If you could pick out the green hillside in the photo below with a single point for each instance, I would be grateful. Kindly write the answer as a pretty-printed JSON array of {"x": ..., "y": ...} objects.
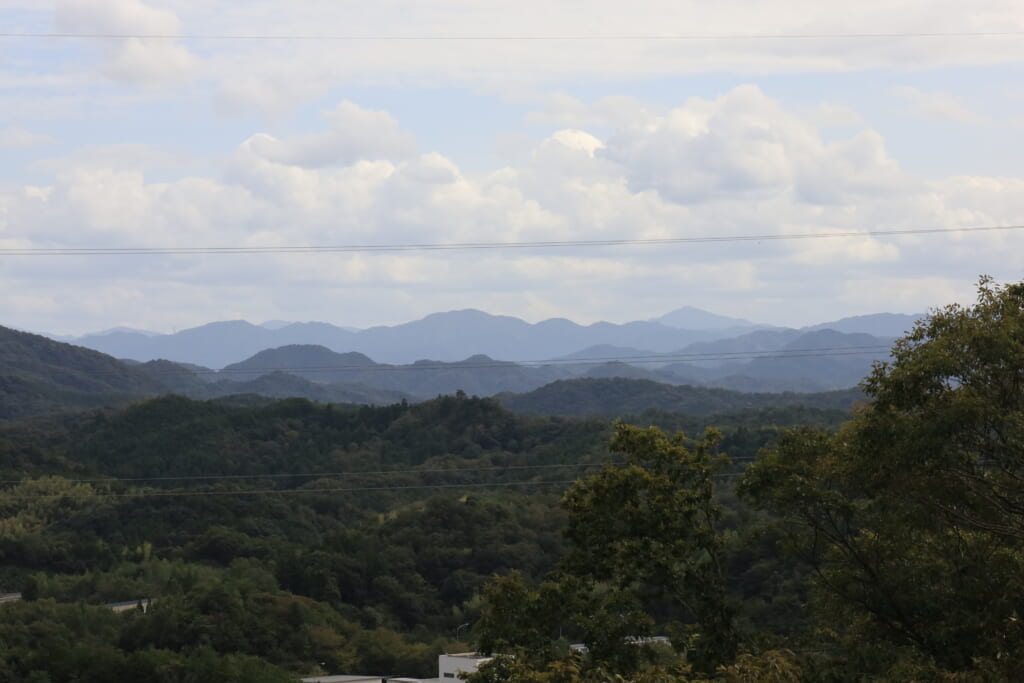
[
  {"x": 40, "y": 375},
  {"x": 620, "y": 397}
]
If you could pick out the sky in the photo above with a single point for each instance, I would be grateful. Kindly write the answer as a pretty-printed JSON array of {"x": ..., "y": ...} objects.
[{"x": 266, "y": 123}]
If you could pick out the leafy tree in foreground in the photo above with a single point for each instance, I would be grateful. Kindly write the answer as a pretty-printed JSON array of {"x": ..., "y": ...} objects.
[
  {"x": 913, "y": 514},
  {"x": 647, "y": 528},
  {"x": 642, "y": 550}
]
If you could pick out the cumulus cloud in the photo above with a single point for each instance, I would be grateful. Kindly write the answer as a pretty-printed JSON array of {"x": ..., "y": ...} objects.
[
  {"x": 740, "y": 164},
  {"x": 274, "y": 76},
  {"x": 353, "y": 133},
  {"x": 744, "y": 144},
  {"x": 135, "y": 60},
  {"x": 295, "y": 71}
]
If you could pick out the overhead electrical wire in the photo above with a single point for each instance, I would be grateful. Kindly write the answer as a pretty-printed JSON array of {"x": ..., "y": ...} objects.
[
  {"x": 454, "y": 246},
  {"x": 666, "y": 358},
  {"x": 521, "y": 37},
  {"x": 315, "y": 475},
  {"x": 252, "y": 492},
  {"x": 174, "y": 493},
  {"x": 404, "y": 471},
  {"x": 304, "y": 249}
]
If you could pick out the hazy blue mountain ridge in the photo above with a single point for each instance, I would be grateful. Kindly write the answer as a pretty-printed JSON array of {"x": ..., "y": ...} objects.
[
  {"x": 762, "y": 361},
  {"x": 783, "y": 360},
  {"x": 876, "y": 324},
  {"x": 442, "y": 336},
  {"x": 690, "y": 318},
  {"x": 456, "y": 335},
  {"x": 38, "y": 374},
  {"x": 478, "y": 374}
]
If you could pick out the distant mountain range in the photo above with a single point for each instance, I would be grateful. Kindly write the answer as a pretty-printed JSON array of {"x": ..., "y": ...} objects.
[
  {"x": 456, "y": 335},
  {"x": 38, "y": 374},
  {"x": 762, "y": 361},
  {"x": 690, "y": 318}
]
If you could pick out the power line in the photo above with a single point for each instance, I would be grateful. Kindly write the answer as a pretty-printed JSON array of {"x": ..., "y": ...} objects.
[
  {"x": 666, "y": 359},
  {"x": 824, "y": 352},
  {"x": 456, "y": 246},
  {"x": 314, "y": 475},
  {"x": 356, "y": 489},
  {"x": 490, "y": 37},
  {"x": 254, "y": 492},
  {"x": 339, "y": 475}
]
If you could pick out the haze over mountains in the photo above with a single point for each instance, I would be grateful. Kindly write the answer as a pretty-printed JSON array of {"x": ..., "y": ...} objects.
[
  {"x": 39, "y": 375},
  {"x": 454, "y": 336},
  {"x": 555, "y": 364}
]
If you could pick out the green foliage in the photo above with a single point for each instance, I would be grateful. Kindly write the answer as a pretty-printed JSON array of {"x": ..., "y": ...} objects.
[
  {"x": 647, "y": 527},
  {"x": 619, "y": 397},
  {"x": 642, "y": 548},
  {"x": 39, "y": 375},
  {"x": 265, "y": 573},
  {"x": 913, "y": 514}
]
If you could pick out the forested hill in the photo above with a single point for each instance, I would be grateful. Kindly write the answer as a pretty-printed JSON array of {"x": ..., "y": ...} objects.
[
  {"x": 173, "y": 436},
  {"x": 39, "y": 375},
  {"x": 619, "y": 397},
  {"x": 287, "y": 535},
  {"x": 309, "y": 536}
]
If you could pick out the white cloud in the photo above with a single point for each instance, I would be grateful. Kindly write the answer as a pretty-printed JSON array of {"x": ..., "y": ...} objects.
[
  {"x": 115, "y": 16},
  {"x": 15, "y": 137},
  {"x": 744, "y": 144},
  {"x": 135, "y": 60},
  {"x": 353, "y": 133},
  {"x": 937, "y": 105},
  {"x": 273, "y": 76},
  {"x": 741, "y": 164}
]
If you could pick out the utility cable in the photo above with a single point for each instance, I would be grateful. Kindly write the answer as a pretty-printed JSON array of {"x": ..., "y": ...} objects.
[
  {"x": 356, "y": 489},
  {"x": 339, "y": 475},
  {"x": 535, "y": 364},
  {"x": 456, "y": 246},
  {"x": 314, "y": 475},
  {"x": 494, "y": 37},
  {"x": 254, "y": 492}
]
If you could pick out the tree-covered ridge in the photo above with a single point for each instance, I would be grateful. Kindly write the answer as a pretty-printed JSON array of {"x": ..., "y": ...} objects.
[
  {"x": 175, "y": 436},
  {"x": 40, "y": 375},
  {"x": 902, "y": 533},
  {"x": 885, "y": 548},
  {"x": 620, "y": 397},
  {"x": 374, "y": 528}
]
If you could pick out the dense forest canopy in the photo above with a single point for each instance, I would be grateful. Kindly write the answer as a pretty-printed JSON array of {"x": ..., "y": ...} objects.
[
  {"x": 904, "y": 527},
  {"x": 374, "y": 529},
  {"x": 270, "y": 539}
]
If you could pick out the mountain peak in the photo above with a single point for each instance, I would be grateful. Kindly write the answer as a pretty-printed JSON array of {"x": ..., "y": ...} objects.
[
  {"x": 691, "y": 318},
  {"x": 877, "y": 324}
]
